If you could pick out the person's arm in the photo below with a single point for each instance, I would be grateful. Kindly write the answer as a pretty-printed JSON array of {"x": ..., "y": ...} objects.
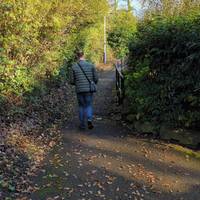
[
  {"x": 71, "y": 76},
  {"x": 95, "y": 75}
]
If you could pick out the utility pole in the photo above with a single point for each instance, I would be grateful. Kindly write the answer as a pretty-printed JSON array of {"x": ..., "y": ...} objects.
[
  {"x": 115, "y": 5},
  {"x": 129, "y": 5},
  {"x": 105, "y": 42}
]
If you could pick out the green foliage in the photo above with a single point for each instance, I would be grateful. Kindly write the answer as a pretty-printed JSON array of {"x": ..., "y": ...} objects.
[
  {"x": 121, "y": 31},
  {"x": 169, "y": 7},
  {"x": 37, "y": 35},
  {"x": 90, "y": 40},
  {"x": 163, "y": 82}
]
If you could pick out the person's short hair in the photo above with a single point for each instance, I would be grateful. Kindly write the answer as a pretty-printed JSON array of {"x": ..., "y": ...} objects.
[{"x": 80, "y": 54}]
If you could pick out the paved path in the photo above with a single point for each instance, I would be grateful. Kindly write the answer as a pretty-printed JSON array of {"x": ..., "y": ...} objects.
[{"x": 110, "y": 163}]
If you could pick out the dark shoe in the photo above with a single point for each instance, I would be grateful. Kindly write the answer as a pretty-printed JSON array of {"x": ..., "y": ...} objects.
[
  {"x": 90, "y": 125},
  {"x": 81, "y": 127}
]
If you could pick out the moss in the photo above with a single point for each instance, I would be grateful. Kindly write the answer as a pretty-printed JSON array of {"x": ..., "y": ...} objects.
[
  {"x": 46, "y": 191},
  {"x": 53, "y": 189},
  {"x": 186, "y": 151}
]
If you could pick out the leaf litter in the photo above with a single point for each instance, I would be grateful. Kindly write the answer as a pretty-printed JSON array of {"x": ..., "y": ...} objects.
[{"x": 25, "y": 140}]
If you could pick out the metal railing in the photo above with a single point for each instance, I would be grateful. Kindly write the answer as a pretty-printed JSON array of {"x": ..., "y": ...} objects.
[{"x": 119, "y": 82}]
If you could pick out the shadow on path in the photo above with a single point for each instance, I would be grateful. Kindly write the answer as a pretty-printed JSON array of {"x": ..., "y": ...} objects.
[{"x": 108, "y": 163}]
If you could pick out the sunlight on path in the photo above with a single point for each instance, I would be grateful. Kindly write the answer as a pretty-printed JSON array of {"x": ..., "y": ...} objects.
[
  {"x": 138, "y": 160},
  {"x": 109, "y": 163}
]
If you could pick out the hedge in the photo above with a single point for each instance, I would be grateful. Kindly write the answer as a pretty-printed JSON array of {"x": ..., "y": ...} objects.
[{"x": 163, "y": 83}]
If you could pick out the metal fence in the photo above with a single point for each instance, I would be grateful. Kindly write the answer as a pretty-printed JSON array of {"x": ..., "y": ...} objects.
[{"x": 119, "y": 82}]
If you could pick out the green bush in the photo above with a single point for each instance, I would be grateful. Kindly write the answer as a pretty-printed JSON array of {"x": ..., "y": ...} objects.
[
  {"x": 35, "y": 38},
  {"x": 163, "y": 82},
  {"x": 122, "y": 28},
  {"x": 91, "y": 40}
]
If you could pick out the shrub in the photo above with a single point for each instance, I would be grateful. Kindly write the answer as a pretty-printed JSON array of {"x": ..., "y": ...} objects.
[
  {"x": 163, "y": 82},
  {"x": 35, "y": 38},
  {"x": 122, "y": 28}
]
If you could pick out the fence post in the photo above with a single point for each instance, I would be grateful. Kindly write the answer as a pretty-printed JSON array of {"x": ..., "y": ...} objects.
[{"x": 120, "y": 88}]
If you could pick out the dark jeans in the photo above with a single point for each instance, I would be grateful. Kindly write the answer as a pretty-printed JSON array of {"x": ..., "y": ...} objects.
[{"x": 85, "y": 101}]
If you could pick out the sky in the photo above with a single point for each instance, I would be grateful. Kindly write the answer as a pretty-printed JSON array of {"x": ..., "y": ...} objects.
[{"x": 136, "y": 5}]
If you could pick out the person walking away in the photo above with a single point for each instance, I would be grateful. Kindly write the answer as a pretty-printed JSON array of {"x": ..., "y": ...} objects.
[{"x": 84, "y": 76}]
